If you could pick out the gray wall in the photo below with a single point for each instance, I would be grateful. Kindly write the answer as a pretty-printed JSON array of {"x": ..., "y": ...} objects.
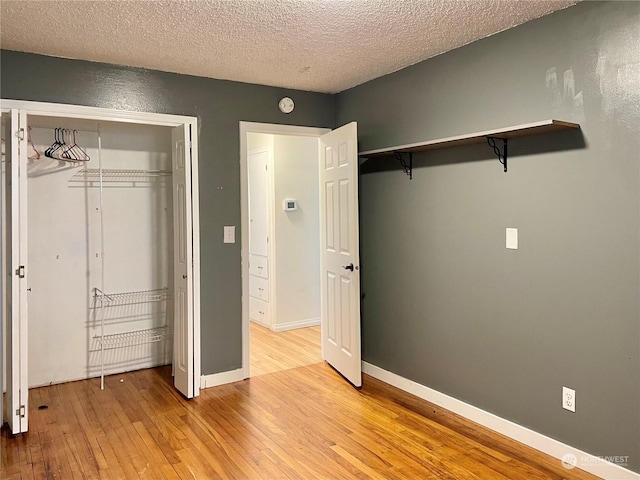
[
  {"x": 444, "y": 302},
  {"x": 219, "y": 106}
]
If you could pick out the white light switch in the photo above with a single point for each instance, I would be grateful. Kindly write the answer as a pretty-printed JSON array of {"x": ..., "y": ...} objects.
[
  {"x": 512, "y": 238},
  {"x": 230, "y": 234}
]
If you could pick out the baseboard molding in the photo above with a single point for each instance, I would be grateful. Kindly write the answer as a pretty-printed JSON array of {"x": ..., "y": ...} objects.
[
  {"x": 564, "y": 453},
  {"x": 258, "y": 322},
  {"x": 309, "y": 322},
  {"x": 221, "y": 378}
]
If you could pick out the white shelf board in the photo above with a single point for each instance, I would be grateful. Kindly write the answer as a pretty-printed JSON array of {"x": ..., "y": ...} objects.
[{"x": 526, "y": 129}]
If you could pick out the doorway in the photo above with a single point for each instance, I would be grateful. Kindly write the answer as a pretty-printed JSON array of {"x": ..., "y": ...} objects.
[{"x": 280, "y": 242}]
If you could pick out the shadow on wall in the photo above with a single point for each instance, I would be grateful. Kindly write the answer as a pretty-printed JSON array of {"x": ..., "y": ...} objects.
[{"x": 518, "y": 147}]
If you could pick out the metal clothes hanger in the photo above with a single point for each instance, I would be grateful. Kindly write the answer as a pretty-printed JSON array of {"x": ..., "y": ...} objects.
[
  {"x": 56, "y": 145},
  {"x": 36, "y": 155},
  {"x": 75, "y": 152}
]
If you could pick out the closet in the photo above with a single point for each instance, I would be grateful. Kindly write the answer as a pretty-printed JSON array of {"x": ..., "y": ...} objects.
[
  {"x": 101, "y": 210},
  {"x": 100, "y": 247}
]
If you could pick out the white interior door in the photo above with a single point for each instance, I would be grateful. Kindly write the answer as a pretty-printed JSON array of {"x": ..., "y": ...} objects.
[
  {"x": 339, "y": 256},
  {"x": 15, "y": 254},
  {"x": 183, "y": 333}
]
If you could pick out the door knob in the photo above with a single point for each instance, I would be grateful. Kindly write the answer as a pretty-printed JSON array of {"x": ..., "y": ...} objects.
[{"x": 349, "y": 267}]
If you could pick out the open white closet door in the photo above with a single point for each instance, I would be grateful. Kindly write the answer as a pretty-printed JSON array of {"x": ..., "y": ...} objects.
[
  {"x": 340, "y": 256},
  {"x": 15, "y": 271},
  {"x": 183, "y": 333}
]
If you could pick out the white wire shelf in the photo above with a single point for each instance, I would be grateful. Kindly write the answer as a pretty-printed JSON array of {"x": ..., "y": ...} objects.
[
  {"x": 133, "y": 338},
  {"x": 118, "y": 175},
  {"x": 130, "y": 298}
]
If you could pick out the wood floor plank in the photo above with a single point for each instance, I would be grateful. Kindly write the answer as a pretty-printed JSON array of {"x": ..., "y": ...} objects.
[
  {"x": 255, "y": 430},
  {"x": 184, "y": 471},
  {"x": 354, "y": 465},
  {"x": 277, "y": 351},
  {"x": 112, "y": 464},
  {"x": 11, "y": 473},
  {"x": 119, "y": 444}
]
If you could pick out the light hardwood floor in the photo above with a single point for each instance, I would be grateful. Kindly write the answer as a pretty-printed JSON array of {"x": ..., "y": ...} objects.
[
  {"x": 274, "y": 352},
  {"x": 302, "y": 423}
]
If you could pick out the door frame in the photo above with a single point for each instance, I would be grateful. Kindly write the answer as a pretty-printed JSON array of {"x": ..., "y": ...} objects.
[
  {"x": 271, "y": 129},
  {"x": 145, "y": 118}
]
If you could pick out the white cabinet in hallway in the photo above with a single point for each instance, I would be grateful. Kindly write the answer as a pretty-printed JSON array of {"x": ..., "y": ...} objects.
[{"x": 259, "y": 201}]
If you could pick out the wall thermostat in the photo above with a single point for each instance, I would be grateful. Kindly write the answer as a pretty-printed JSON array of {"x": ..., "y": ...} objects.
[{"x": 290, "y": 205}]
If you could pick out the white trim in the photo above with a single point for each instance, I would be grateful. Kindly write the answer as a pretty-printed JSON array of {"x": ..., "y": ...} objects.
[
  {"x": 195, "y": 270},
  {"x": 538, "y": 441},
  {"x": 258, "y": 322},
  {"x": 277, "y": 129},
  {"x": 309, "y": 322},
  {"x": 244, "y": 249},
  {"x": 3, "y": 299},
  {"x": 222, "y": 378},
  {"x": 273, "y": 129},
  {"x": 97, "y": 113},
  {"x": 271, "y": 217}
]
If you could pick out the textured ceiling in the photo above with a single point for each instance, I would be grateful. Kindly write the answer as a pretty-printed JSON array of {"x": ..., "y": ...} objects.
[{"x": 317, "y": 45}]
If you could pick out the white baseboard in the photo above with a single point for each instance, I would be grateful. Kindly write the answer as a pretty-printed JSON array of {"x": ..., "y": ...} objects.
[
  {"x": 565, "y": 453},
  {"x": 309, "y": 322},
  {"x": 221, "y": 378},
  {"x": 260, "y": 323}
]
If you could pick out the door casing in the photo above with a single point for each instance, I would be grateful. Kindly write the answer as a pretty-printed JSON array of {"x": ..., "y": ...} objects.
[{"x": 272, "y": 129}]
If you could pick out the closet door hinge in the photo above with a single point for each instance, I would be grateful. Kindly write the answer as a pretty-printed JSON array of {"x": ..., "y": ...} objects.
[
  {"x": 20, "y": 271},
  {"x": 21, "y": 412},
  {"x": 20, "y": 133}
]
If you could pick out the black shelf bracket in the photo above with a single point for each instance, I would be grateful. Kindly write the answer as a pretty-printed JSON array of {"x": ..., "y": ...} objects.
[
  {"x": 406, "y": 168},
  {"x": 502, "y": 156}
]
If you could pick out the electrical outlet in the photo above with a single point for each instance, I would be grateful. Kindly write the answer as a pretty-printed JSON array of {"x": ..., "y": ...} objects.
[{"x": 569, "y": 399}]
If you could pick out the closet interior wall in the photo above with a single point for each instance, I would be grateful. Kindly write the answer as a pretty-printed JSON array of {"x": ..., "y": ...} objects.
[{"x": 68, "y": 234}]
